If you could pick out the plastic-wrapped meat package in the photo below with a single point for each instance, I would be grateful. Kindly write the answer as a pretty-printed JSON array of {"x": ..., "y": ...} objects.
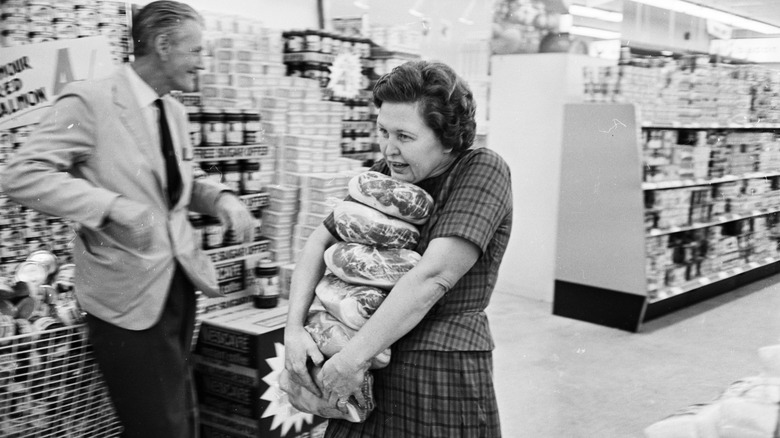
[
  {"x": 349, "y": 303},
  {"x": 396, "y": 198},
  {"x": 360, "y": 223},
  {"x": 331, "y": 335},
  {"x": 311, "y": 403},
  {"x": 362, "y": 264}
]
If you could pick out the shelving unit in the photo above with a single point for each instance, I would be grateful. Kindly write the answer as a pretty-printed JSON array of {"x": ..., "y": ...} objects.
[{"x": 602, "y": 260}]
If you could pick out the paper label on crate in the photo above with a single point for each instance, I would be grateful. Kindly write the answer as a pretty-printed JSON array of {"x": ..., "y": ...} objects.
[
  {"x": 230, "y": 277},
  {"x": 237, "y": 252}
]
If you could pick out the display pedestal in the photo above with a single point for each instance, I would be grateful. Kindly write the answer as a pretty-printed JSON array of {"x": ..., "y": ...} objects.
[{"x": 527, "y": 97}]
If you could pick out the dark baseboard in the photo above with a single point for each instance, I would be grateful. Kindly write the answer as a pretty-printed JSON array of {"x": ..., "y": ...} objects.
[{"x": 606, "y": 307}]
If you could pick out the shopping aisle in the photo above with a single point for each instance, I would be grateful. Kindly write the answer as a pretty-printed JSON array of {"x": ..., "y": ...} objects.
[{"x": 562, "y": 378}]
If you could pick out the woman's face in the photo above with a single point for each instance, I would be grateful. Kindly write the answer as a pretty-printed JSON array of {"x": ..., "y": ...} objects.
[{"x": 410, "y": 147}]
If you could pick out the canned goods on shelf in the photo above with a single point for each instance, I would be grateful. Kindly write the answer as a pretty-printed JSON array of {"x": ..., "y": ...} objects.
[
  {"x": 213, "y": 123},
  {"x": 251, "y": 179},
  {"x": 234, "y": 127},
  {"x": 231, "y": 176},
  {"x": 195, "y": 125},
  {"x": 213, "y": 233},
  {"x": 252, "y": 126}
]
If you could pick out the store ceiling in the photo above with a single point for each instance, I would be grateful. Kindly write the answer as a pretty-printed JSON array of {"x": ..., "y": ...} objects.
[{"x": 763, "y": 10}]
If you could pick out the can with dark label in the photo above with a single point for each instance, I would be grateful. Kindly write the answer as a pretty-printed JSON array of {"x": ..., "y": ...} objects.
[
  {"x": 63, "y": 280},
  {"x": 67, "y": 309}
]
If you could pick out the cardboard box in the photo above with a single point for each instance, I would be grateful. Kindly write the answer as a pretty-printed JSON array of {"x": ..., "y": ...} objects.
[
  {"x": 242, "y": 335},
  {"x": 239, "y": 356}
]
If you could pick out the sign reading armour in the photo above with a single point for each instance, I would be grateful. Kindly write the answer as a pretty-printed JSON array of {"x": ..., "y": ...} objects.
[{"x": 32, "y": 75}]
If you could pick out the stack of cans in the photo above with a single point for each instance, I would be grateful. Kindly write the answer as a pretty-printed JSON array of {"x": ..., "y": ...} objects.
[{"x": 37, "y": 21}]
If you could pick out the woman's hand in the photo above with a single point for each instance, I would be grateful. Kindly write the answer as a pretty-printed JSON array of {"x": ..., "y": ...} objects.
[
  {"x": 299, "y": 348},
  {"x": 341, "y": 378}
]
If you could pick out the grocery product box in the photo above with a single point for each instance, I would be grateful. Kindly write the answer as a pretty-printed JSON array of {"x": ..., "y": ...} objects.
[
  {"x": 243, "y": 335},
  {"x": 239, "y": 356},
  {"x": 216, "y": 425}
]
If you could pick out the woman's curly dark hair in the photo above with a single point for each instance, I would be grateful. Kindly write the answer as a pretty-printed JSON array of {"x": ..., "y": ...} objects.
[{"x": 446, "y": 103}]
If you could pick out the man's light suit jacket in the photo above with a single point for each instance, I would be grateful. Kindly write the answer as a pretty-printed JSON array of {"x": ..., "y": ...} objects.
[{"x": 91, "y": 148}]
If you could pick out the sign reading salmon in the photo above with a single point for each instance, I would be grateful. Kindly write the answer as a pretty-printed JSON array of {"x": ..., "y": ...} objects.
[{"x": 31, "y": 76}]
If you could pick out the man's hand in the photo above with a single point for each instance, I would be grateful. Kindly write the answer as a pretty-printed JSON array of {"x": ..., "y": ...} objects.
[{"x": 234, "y": 215}]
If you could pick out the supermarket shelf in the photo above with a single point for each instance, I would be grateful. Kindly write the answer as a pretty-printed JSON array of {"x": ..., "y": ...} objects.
[
  {"x": 730, "y": 126},
  {"x": 225, "y": 153},
  {"x": 693, "y": 182},
  {"x": 723, "y": 283},
  {"x": 721, "y": 219},
  {"x": 669, "y": 292}
]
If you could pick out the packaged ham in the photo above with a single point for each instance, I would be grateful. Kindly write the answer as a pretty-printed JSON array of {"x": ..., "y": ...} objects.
[
  {"x": 360, "y": 223},
  {"x": 350, "y": 303},
  {"x": 395, "y": 198},
  {"x": 365, "y": 265},
  {"x": 331, "y": 335}
]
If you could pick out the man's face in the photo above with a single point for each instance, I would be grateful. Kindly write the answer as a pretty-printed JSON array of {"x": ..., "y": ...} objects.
[{"x": 185, "y": 57}]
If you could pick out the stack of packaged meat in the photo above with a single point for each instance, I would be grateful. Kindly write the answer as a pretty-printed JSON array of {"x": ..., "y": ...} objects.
[{"x": 379, "y": 229}]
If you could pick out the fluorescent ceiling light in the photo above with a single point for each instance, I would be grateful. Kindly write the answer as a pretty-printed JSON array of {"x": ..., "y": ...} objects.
[
  {"x": 713, "y": 14},
  {"x": 416, "y": 10},
  {"x": 594, "y": 33},
  {"x": 598, "y": 14}
]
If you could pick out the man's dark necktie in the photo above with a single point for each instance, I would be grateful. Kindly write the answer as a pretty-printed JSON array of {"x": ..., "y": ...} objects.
[{"x": 171, "y": 166}]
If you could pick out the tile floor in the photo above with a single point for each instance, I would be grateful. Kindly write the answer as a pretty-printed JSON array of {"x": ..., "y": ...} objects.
[{"x": 560, "y": 378}]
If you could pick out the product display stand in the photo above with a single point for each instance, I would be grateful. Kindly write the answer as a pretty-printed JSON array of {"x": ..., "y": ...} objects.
[
  {"x": 527, "y": 95},
  {"x": 601, "y": 270}
]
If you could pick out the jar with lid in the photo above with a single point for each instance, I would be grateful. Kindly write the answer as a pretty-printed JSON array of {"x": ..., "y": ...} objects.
[
  {"x": 312, "y": 41},
  {"x": 267, "y": 284},
  {"x": 213, "y": 233},
  {"x": 234, "y": 127},
  {"x": 231, "y": 176},
  {"x": 195, "y": 125},
  {"x": 293, "y": 41},
  {"x": 213, "y": 123},
  {"x": 252, "y": 126},
  {"x": 251, "y": 181},
  {"x": 326, "y": 42}
]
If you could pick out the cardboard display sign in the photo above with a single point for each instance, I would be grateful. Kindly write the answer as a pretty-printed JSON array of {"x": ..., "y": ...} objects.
[{"x": 31, "y": 76}]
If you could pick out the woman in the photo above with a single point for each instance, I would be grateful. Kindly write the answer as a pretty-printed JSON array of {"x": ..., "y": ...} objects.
[{"x": 439, "y": 381}]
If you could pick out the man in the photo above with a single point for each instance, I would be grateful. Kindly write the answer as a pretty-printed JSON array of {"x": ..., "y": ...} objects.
[{"x": 99, "y": 158}]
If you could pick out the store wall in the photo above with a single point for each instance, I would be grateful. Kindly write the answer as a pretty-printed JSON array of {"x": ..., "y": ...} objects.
[{"x": 287, "y": 14}]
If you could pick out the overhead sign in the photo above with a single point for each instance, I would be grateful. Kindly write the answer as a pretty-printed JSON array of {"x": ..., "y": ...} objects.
[{"x": 32, "y": 75}]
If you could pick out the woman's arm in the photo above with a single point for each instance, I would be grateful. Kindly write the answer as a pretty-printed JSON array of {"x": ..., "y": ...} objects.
[
  {"x": 299, "y": 346},
  {"x": 445, "y": 261}
]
